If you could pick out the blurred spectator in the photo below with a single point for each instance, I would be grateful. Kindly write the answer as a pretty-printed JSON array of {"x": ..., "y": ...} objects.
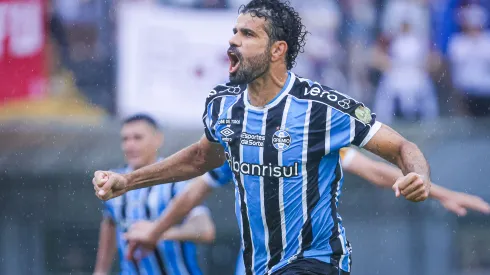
[
  {"x": 360, "y": 19},
  {"x": 359, "y": 27},
  {"x": 57, "y": 32},
  {"x": 194, "y": 3},
  {"x": 235, "y": 4},
  {"x": 414, "y": 12},
  {"x": 324, "y": 56},
  {"x": 406, "y": 90},
  {"x": 443, "y": 22},
  {"x": 469, "y": 54},
  {"x": 88, "y": 49},
  {"x": 379, "y": 60}
]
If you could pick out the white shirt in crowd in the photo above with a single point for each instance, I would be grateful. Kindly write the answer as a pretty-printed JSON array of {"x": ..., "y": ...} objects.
[
  {"x": 407, "y": 82},
  {"x": 470, "y": 63}
]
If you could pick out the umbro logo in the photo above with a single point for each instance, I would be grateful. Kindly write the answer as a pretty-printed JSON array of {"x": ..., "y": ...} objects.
[{"x": 227, "y": 132}]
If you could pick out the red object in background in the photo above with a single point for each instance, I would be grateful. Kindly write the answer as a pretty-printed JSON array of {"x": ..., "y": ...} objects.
[{"x": 22, "y": 48}]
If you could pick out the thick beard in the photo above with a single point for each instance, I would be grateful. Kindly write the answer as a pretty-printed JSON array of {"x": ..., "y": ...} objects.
[{"x": 251, "y": 69}]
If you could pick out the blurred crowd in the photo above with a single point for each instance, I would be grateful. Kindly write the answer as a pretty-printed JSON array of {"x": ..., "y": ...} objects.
[{"x": 409, "y": 59}]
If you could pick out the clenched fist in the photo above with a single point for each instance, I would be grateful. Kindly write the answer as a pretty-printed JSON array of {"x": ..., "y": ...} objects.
[
  {"x": 109, "y": 185},
  {"x": 413, "y": 187}
]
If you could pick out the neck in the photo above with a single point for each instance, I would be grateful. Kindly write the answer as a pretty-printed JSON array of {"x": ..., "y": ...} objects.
[{"x": 265, "y": 88}]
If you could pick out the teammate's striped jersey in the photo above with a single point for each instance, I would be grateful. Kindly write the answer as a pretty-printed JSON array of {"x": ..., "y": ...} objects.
[
  {"x": 286, "y": 166},
  {"x": 169, "y": 257},
  {"x": 218, "y": 178}
]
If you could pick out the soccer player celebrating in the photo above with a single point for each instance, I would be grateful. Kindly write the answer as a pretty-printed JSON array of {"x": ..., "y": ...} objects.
[
  {"x": 378, "y": 173},
  {"x": 174, "y": 252},
  {"x": 281, "y": 135}
]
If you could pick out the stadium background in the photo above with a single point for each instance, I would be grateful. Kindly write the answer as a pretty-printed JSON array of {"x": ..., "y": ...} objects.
[{"x": 68, "y": 75}]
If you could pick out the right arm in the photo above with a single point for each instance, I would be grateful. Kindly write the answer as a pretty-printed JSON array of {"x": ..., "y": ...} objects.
[
  {"x": 107, "y": 247},
  {"x": 186, "y": 164}
]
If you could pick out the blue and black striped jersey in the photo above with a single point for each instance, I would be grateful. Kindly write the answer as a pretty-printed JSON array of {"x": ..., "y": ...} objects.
[
  {"x": 169, "y": 257},
  {"x": 286, "y": 166}
]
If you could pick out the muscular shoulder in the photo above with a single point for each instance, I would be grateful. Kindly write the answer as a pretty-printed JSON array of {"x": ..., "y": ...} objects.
[
  {"x": 324, "y": 97},
  {"x": 222, "y": 90}
]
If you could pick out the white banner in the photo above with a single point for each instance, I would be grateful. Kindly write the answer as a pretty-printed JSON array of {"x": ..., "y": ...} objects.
[{"x": 169, "y": 60}]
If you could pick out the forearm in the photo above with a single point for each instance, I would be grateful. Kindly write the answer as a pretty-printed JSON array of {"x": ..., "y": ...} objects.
[
  {"x": 376, "y": 172},
  {"x": 198, "y": 229},
  {"x": 180, "y": 207},
  {"x": 183, "y": 165},
  {"x": 391, "y": 146},
  {"x": 438, "y": 192},
  {"x": 106, "y": 249},
  {"x": 411, "y": 159},
  {"x": 382, "y": 174}
]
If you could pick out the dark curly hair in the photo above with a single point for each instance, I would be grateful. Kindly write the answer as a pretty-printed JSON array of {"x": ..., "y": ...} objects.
[{"x": 284, "y": 25}]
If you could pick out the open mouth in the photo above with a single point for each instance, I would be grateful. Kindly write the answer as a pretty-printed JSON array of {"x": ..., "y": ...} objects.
[{"x": 234, "y": 62}]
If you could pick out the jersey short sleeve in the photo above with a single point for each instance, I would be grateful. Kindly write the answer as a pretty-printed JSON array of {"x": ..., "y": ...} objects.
[
  {"x": 350, "y": 121},
  {"x": 211, "y": 113},
  {"x": 221, "y": 97},
  {"x": 207, "y": 120},
  {"x": 219, "y": 176}
]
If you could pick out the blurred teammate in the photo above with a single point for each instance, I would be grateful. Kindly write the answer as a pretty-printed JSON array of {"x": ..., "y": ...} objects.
[
  {"x": 141, "y": 140},
  {"x": 378, "y": 173},
  {"x": 281, "y": 135}
]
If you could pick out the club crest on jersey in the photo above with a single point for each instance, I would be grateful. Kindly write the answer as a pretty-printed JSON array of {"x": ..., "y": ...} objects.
[
  {"x": 281, "y": 140},
  {"x": 363, "y": 114}
]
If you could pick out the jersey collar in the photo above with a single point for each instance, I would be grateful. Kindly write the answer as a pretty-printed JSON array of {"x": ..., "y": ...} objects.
[{"x": 284, "y": 92}]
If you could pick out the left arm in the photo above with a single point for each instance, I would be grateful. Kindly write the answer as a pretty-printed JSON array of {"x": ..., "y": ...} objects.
[
  {"x": 355, "y": 124},
  {"x": 385, "y": 175},
  {"x": 388, "y": 144},
  {"x": 391, "y": 146},
  {"x": 198, "y": 228}
]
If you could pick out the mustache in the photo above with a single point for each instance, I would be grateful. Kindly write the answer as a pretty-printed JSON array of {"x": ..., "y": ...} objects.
[{"x": 235, "y": 51}]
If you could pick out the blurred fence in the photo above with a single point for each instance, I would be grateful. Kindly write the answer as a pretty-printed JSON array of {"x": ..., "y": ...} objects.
[{"x": 50, "y": 216}]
